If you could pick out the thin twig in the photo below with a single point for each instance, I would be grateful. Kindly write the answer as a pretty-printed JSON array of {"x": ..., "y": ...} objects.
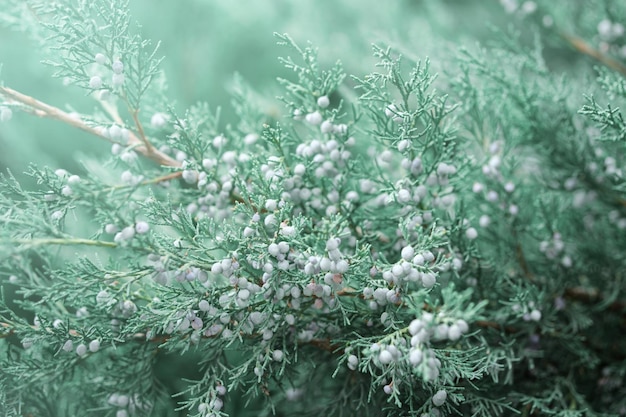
[
  {"x": 45, "y": 110},
  {"x": 583, "y": 47},
  {"x": 591, "y": 296},
  {"x": 163, "y": 178},
  {"x": 521, "y": 258},
  {"x": 141, "y": 133},
  {"x": 63, "y": 242}
]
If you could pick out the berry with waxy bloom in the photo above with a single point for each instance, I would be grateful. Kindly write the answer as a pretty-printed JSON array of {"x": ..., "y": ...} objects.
[
  {"x": 439, "y": 398},
  {"x": 95, "y": 82},
  {"x": 323, "y": 102}
]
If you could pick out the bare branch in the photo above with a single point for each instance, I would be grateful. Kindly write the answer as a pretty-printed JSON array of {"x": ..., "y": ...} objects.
[{"x": 45, "y": 110}]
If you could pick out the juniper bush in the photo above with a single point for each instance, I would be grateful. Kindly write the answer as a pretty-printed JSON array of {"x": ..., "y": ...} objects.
[{"x": 392, "y": 242}]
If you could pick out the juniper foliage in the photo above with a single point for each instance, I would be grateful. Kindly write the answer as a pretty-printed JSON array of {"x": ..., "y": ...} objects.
[{"x": 394, "y": 242}]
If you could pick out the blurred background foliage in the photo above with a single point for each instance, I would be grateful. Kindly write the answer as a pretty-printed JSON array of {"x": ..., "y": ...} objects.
[{"x": 205, "y": 42}]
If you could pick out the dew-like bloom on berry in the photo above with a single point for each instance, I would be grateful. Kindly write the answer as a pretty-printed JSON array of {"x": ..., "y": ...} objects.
[
  {"x": 323, "y": 102},
  {"x": 142, "y": 227},
  {"x": 117, "y": 67},
  {"x": 94, "y": 345},
  {"x": 314, "y": 118},
  {"x": 439, "y": 398},
  {"x": 95, "y": 82}
]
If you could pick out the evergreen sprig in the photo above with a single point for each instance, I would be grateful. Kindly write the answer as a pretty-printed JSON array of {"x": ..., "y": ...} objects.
[{"x": 395, "y": 243}]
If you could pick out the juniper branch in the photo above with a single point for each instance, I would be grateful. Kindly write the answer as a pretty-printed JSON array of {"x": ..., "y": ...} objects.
[{"x": 45, "y": 110}]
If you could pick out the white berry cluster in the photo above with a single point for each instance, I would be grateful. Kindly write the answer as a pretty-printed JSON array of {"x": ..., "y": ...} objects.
[
  {"x": 215, "y": 175},
  {"x": 215, "y": 403},
  {"x": 325, "y": 159},
  {"x": 410, "y": 348},
  {"x": 612, "y": 37},
  {"x": 395, "y": 114},
  {"x": 118, "y": 134},
  {"x": 127, "y": 405},
  {"x": 316, "y": 118},
  {"x": 126, "y": 234},
  {"x": 527, "y": 311},
  {"x": 120, "y": 309},
  {"x": 82, "y": 348},
  {"x": 616, "y": 218},
  {"x": 284, "y": 258},
  {"x": 186, "y": 321},
  {"x": 496, "y": 189},
  {"x": 411, "y": 268},
  {"x": 164, "y": 275},
  {"x": 70, "y": 183},
  {"x": 554, "y": 248},
  {"x": 513, "y": 6},
  {"x": 115, "y": 71}
]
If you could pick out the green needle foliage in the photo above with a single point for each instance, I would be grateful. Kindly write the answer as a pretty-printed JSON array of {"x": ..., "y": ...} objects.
[{"x": 391, "y": 242}]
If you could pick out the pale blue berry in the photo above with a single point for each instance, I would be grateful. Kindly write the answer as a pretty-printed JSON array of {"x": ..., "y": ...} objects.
[
  {"x": 428, "y": 256},
  {"x": 94, "y": 345},
  {"x": 439, "y": 398},
  {"x": 103, "y": 297},
  {"x": 353, "y": 362},
  {"x": 391, "y": 110},
  {"x": 341, "y": 267},
  {"x": 428, "y": 280},
  {"x": 142, "y": 227},
  {"x": 454, "y": 332},
  {"x": 283, "y": 247},
  {"x": 271, "y": 204},
  {"x": 204, "y": 305},
  {"x": 404, "y": 196},
  {"x": 158, "y": 120},
  {"x": 117, "y": 67},
  {"x": 403, "y": 145},
  {"x": 314, "y": 118},
  {"x": 219, "y": 141},
  {"x": 332, "y": 244},
  {"x": 326, "y": 126},
  {"x": 415, "y": 357},
  {"x": 100, "y": 59},
  {"x": 277, "y": 355},
  {"x": 385, "y": 357},
  {"x": 270, "y": 220},
  {"x": 67, "y": 191},
  {"x": 196, "y": 323},
  {"x": 535, "y": 315},
  {"x": 95, "y": 82},
  {"x": 299, "y": 169},
  {"x": 419, "y": 259},
  {"x": 81, "y": 350},
  {"x": 462, "y": 325},
  {"x": 68, "y": 346},
  {"x": 415, "y": 326},
  {"x": 217, "y": 404},
  {"x": 273, "y": 249},
  {"x": 250, "y": 138},
  {"x": 323, "y": 102}
]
